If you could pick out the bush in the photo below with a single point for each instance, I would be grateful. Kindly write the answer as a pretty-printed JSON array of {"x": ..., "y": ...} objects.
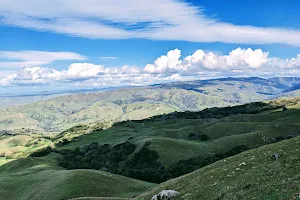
[
  {"x": 198, "y": 136},
  {"x": 193, "y": 135},
  {"x": 204, "y": 137},
  {"x": 62, "y": 142},
  {"x": 148, "y": 143},
  {"x": 41, "y": 152},
  {"x": 130, "y": 138},
  {"x": 280, "y": 138}
]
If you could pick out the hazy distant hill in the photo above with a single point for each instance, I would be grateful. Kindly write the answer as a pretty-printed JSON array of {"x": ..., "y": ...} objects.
[{"x": 57, "y": 114}]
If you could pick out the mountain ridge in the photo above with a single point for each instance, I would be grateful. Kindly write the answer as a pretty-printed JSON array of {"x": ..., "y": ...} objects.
[{"x": 59, "y": 113}]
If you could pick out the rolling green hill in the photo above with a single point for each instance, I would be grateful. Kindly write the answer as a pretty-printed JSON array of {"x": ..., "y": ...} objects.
[
  {"x": 53, "y": 115},
  {"x": 157, "y": 149},
  {"x": 42, "y": 178},
  {"x": 224, "y": 132},
  {"x": 249, "y": 175}
]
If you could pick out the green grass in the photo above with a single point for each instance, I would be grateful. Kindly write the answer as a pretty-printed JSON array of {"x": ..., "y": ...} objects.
[
  {"x": 41, "y": 178},
  {"x": 169, "y": 137},
  {"x": 20, "y": 146},
  {"x": 249, "y": 175}
]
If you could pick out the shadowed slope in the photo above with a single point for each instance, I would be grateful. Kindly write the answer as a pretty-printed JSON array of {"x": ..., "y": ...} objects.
[{"x": 249, "y": 175}]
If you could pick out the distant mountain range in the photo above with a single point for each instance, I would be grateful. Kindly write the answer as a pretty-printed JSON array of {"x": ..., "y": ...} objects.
[{"x": 54, "y": 112}]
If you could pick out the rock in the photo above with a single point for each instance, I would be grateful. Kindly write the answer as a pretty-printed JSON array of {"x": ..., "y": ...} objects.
[
  {"x": 275, "y": 156},
  {"x": 165, "y": 195}
]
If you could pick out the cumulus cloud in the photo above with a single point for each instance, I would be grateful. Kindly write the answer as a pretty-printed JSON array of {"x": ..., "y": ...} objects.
[
  {"x": 166, "y": 68},
  {"x": 236, "y": 59},
  {"x": 121, "y": 19},
  {"x": 170, "y": 61},
  {"x": 83, "y": 70}
]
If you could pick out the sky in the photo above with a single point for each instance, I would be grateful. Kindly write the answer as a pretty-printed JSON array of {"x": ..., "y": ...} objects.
[{"x": 66, "y": 44}]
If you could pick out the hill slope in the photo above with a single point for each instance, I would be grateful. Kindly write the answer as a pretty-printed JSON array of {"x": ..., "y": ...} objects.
[
  {"x": 41, "y": 178},
  {"x": 155, "y": 150},
  {"x": 223, "y": 131},
  {"x": 249, "y": 175},
  {"x": 179, "y": 143}
]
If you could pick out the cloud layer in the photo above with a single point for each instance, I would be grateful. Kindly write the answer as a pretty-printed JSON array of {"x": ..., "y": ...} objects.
[
  {"x": 166, "y": 68},
  {"x": 19, "y": 59},
  {"x": 122, "y": 19}
]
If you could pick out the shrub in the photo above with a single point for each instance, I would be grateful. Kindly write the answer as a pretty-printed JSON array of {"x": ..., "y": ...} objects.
[
  {"x": 196, "y": 136},
  {"x": 204, "y": 137},
  {"x": 148, "y": 143},
  {"x": 130, "y": 138},
  {"x": 280, "y": 138},
  {"x": 41, "y": 152},
  {"x": 193, "y": 135},
  {"x": 62, "y": 142}
]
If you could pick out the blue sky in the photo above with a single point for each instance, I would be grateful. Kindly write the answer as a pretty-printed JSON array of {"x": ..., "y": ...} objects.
[{"x": 155, "y": 42}]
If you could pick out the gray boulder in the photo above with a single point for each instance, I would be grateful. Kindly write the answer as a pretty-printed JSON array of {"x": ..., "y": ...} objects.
[{"x": 165, "y": 195}]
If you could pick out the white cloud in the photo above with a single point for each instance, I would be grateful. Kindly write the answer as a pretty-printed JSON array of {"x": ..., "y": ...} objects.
[
  {"x": 169, "y": 61},
  {"x": 108, "y": 58},
  {"x": 119, "y": 19},
  {"x": 5, "y": 73},
  {"x": 19, "y": 59},
  {"x": 247, "y": 57},
  {"x": 166, "y": 68},
  {"x": 84, "y": 70},
  {"x": 237, "y": 59}
]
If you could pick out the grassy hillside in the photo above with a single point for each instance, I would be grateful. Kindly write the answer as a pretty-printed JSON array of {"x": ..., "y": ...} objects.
[
  {"x": 42, "y": 178},
  {"x": 170, "y": 132},
  {"x": 63, "y": 112},
  {"x": 60, "y": 113},
  {"x": 172, "y": 142},
  {"x": 249, "y": 175},
  {"x": 158, "y": 149}
]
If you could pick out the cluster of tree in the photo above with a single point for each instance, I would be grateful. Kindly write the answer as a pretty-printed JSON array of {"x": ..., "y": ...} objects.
[
  {"x": 198, "y": 136},
  {"x": 280, "y": 138},
  {"x": 143, "y": 164},
  {"x": 94, "y": 156},
  {"x": 62, "y": 142},
  {"x": 192, "y": 164},
  {"x": 249, "y": 108},
  {"x": 41, "y": 152}
]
